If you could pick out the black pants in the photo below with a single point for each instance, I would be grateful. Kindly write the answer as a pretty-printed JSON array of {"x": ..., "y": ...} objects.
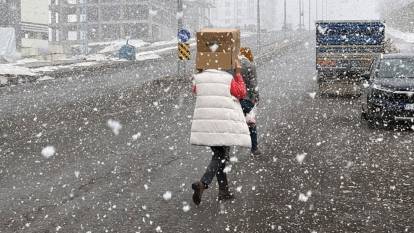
[
  {"x": 216, "y": 167},
  {"x": 247, "y": 106}
]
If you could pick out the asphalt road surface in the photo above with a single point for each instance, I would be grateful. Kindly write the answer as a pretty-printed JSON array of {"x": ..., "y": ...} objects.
[{"x": 321, "y": 170}]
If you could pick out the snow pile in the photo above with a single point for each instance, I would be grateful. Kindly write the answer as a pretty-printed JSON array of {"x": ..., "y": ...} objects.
[
  {"x": 97, "y": 57},
  {"x": 116, "y": 45},
  {"x": 406, "y": 36},
  {"x": 162, "y": 43},
  {"x": 54, "y": 68},
  {"x": 15, "y": 70},
  {"x": 26, "y": 60},
  {"x": 150, "y": 56}
]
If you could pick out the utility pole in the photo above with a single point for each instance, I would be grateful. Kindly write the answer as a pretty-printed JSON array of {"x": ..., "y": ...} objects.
[
  {"x": 316, "y": 10},
  {"x": 300, "y": 14},
  {"x": 258, "y": 27},
  {"x": 309, "y": 12},
  {"x": 284, "y": 15},
  {"x": 84, "y": 27},
  {"x": 303, "y": 13},
  {"x": 180, "y": 15}
]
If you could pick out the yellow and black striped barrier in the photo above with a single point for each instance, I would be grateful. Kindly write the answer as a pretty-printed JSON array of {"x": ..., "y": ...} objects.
[{"x": 184, "y": 51}]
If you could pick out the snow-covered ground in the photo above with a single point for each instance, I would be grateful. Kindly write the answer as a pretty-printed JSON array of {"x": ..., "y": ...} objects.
[
  {"x": 54, "y": 68},
  {"x": 6, "y": 69},
  {"x": 18, "y": 68},
  {"x": 116, "y": 45}
]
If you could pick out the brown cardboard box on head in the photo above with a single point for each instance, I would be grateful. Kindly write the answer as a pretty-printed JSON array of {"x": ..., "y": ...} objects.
[{"x": 217, "y": 48}]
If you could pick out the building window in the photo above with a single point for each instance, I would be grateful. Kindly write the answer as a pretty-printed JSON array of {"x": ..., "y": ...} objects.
[
  {"x": 72, "y": 18},
  {"x": 72, "y": 35}
]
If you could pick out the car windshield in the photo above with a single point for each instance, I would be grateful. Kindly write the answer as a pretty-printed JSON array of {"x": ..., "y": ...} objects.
[{"x": 397, "y": 68}]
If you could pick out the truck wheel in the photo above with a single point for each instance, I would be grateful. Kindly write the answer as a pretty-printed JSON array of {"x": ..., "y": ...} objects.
[{"x": 367, "y": 121}]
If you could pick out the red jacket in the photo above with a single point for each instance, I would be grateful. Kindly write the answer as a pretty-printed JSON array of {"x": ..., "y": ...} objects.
[{"x": 237, "y": 87}]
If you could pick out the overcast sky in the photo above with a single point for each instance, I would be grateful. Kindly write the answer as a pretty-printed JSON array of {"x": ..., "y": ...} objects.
[
  {"x": 337, "y": 10},
  {"x": 353, "y": 9}
]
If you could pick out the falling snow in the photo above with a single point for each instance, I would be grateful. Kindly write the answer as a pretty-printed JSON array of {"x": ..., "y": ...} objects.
[
  {"x": 48, "y": 151},
  {"x": 115, "y": 126}
]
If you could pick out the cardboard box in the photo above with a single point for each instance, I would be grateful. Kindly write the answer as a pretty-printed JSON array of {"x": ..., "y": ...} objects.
[{"x": 217, "y": 48}]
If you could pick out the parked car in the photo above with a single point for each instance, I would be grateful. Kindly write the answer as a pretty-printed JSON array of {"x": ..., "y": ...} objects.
[{"x": 389, "y": 96}]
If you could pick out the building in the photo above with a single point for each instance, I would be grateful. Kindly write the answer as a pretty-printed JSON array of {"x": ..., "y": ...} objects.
[
  {"x": 30, "y": 20},
  {"x": 106, "y": 20},
  {"x": 34, "y": 26},
  {"x": 10, "y": 13}
]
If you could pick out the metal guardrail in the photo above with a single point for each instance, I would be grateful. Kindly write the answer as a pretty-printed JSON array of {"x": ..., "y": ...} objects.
[{"x": 280, "y": 46}]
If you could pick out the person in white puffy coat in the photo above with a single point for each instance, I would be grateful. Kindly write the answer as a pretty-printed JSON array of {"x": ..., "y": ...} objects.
[{"x": 218, "y": 122}]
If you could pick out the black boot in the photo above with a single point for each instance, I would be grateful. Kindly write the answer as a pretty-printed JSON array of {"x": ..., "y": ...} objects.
[
  {"x": 225, "y": 194},
  {"x": 198, "y": 188}
]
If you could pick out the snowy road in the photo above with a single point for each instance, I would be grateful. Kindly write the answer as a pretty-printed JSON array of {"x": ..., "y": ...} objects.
[{"x": 322, "y": 171}]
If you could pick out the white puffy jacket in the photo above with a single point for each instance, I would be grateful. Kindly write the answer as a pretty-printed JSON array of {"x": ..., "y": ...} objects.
[{"x": 218, "y": 117}]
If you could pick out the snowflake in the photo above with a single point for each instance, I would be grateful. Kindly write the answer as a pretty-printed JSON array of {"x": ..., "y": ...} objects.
[
  {"x": 115, "y": 126},
  {"x": 301, "y": 157},
  {"x": 167, "y": 196},
  {"x": 48, "y": 151}
]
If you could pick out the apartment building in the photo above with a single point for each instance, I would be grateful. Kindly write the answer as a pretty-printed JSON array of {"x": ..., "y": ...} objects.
[
  {"x": 30, "y": 21},
  {"x": 109, "y": 20},
  {"x": 10, "y": 13}
]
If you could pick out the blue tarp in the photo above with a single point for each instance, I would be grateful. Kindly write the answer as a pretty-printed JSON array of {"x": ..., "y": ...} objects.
[
  {"x": 127, "y": 52},
  {"x": 350, "y": 33}
]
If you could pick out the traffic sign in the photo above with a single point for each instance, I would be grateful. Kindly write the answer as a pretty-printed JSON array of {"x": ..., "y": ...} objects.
[
  {"x": 184, "y": 35},
  {"x": 184, "y": 51}
]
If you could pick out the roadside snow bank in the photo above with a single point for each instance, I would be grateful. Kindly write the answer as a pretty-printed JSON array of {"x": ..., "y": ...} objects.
[
  {"x": 116, "y": 45},
  {"x": 54, "y": 68},
  {"x": 150, "y": 56},
  {"x": 6, "y": 69}
]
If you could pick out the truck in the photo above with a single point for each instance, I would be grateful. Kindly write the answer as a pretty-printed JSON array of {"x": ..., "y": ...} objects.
[{"x": 345, "y": 51}]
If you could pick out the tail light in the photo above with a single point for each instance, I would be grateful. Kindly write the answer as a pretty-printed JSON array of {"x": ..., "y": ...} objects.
[{"x": 323, "y": 62}]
